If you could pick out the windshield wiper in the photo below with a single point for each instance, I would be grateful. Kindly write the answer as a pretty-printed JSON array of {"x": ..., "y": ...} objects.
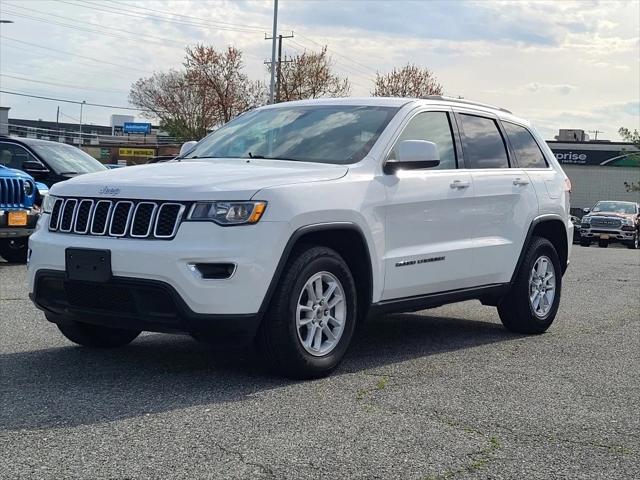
[
  {"x": 262, "y": 157},
  {"x": 68, "y": 173}
]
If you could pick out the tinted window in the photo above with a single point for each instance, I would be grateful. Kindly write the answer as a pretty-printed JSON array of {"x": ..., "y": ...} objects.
[
  {"x": 433, "y": 127},
  {"x": 527, "y": 151},
  {"x": 13, "y": 156},
  {"x": 618, "y": 207},
  {"x": 338, "y": 134},
  {"x": 482, "y": 143}
]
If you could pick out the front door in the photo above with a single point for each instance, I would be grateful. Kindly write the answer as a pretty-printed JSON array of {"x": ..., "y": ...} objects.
[{"x": 428, "y": 216}]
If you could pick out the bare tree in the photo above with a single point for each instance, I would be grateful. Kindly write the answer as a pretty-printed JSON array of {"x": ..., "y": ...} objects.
[
  {"x": 185, "y": 110},
  {"x": 210, "y": 91},
  {"x": 310, "y": 75},
  {"x": 221, "y": 73},
  {"x": 408, "y": 81}
]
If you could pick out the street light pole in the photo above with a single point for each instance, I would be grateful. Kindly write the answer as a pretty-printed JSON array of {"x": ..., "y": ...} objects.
[
  {"x": 273, "y": 51},
  {"x": 80, "y": 136}
]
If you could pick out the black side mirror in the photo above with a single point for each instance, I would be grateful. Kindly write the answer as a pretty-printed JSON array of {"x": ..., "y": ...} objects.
[{"x": 34, "y": 167}]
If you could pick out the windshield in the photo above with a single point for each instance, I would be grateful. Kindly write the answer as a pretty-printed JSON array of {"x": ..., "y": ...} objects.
[
  {"x": 67, "y": 159},
  {"x": 336, "y": 134},
  {"x": 618, "y": 207}
]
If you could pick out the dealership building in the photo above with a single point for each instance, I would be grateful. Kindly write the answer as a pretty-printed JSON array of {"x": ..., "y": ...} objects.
[{"x": 598, "y": 169}]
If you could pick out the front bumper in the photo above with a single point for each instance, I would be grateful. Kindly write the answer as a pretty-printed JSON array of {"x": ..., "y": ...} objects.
[
  {"x": 7, "y": 231},
  {"x": 611, "y": 235},
  {"x": 254, "y": 249},
  {"x": 136, "y": 304}
]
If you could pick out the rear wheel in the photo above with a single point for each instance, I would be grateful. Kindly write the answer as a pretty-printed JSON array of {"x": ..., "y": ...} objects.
[
  {"x": 14, "y": 250},
  {"x": 603, "y": 243},
  {"x": 96, "y": 336},
  {"x": 312, "y": 316},
  {"x": 532, "y": 303}
]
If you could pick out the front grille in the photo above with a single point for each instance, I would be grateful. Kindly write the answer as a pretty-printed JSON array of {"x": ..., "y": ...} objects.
[
  {"x": 12, "y": 192},
  {"x": 605, "y": 222},
  {"x": 116, "y": 218}
]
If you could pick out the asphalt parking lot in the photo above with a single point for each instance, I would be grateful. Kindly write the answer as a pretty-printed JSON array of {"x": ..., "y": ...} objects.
[{"x": 446, "y": 393}]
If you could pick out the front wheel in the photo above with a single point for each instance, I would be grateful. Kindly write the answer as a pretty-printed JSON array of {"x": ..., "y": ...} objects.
[
  {"x": 14, "y": 250},
  {"x": 633, "y": 244},
  {"x": 96, "y": 336},
  {"x": 585, "y": 242},
  {"x": 312, "y": 316},
  {"x": 532, "y": 303}
]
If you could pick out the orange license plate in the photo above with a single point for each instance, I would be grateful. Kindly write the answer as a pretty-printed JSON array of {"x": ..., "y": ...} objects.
[
  {"x": 604, "y": 236},
  {"x": 17, "y": 219}
]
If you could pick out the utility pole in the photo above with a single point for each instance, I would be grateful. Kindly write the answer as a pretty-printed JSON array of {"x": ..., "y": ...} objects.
[
  {"x": 596, "y": 132},
  {"x": 279, "y": 65},
  {"x": 80, "y": 139},
  {"x": 273, "y": 50}
]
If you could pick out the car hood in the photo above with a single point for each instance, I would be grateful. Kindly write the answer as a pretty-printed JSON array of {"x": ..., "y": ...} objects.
[
  {"x": 611, "y": 214},
  {"x": 214, "y": 179}
]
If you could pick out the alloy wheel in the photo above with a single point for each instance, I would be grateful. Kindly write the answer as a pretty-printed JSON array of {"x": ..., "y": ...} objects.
[
  {"x": 321, "y": 314},
  {"x": 542, "y": 286}
]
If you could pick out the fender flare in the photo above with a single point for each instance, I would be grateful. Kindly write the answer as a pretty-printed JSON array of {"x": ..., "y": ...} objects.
[
  {"x": 536, "y": 221},
  {"x": 293, "y": 239}
]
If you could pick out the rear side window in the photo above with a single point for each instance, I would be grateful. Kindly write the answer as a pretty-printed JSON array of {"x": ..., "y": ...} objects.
[
  {"x": 527, "y": 151},
  {"x": 432, "y": 127},
  {"x": 482, "y": 143}
]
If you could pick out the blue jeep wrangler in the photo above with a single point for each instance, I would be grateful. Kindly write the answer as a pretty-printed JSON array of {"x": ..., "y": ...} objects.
[{"x": 19, "y": 196}]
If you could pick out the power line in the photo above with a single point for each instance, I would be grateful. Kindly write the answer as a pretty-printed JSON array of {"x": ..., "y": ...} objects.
[
  {"x": 74, "y": 54},
  {"x": 55, "y": 84},
  {"x": 42, "y": 97}
]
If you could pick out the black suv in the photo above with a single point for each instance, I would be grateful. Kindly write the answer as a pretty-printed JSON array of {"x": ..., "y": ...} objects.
[{"x": 47, "y": 162}]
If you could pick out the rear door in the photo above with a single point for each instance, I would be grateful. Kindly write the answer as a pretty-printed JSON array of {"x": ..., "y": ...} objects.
[
  {"x": 428, "y": 214},
  {"x": 505, "y": 202}
]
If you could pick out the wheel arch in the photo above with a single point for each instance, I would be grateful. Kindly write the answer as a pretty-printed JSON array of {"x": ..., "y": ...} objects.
[
  {"x": 553, "y": 228},
  {"x": 352, "y": 246}
]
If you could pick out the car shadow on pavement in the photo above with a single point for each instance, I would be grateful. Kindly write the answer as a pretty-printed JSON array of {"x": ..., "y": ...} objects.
[{"x": 72, "y": 386}]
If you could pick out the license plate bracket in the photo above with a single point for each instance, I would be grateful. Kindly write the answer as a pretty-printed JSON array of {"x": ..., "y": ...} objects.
[
  {"x": 88, "y": 264},
  {"x": 17, "y": 219}
]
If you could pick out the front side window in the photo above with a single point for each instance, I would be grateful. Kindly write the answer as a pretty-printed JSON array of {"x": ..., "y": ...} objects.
[
  {"x": 13, "y": 156},
  {"x": 482, "y": 143},
  {"x": 527, "y": 151},
  {"x": 432, "y": 127},
  {"x": 338, "y": 134},
  {"x": 67, "y": 159}
]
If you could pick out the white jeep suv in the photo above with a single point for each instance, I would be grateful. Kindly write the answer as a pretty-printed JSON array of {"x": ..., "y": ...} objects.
[{"x": 294, "y": 222}]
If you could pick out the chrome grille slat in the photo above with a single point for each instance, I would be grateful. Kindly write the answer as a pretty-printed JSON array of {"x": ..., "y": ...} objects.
[{"x": 117, "y": 218}]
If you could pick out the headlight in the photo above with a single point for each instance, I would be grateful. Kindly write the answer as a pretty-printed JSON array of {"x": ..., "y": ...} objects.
[
  {"x": 586, "y": 219},
  {"x": 47, "y": 204},
  {"x": 28, "y": 188},
  {"x": 228, "y": 213},
  {"x": 627, "y": 221}
]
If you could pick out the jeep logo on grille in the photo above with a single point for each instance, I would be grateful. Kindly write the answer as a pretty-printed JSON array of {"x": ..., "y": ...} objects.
[{"x": 109, "y": 191}]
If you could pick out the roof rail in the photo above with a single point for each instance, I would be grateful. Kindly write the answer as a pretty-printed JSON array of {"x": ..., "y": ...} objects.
[{"x": 462, "y": 100}]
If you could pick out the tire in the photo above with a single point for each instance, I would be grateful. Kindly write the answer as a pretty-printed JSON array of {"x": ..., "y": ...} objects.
[
  {"x": 633, "y": 244},
  {"x": 96, "y": 336},
  {"x": 14, "y": 250},
  {"x": 603, "y": 243},
  {"x": 282, "y": 335},
  {"x": 516, "y": 309},
  {"x": 585, "y": 242}
]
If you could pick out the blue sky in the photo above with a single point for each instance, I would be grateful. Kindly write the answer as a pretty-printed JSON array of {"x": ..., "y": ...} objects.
[{"x": 561, "y": 64}]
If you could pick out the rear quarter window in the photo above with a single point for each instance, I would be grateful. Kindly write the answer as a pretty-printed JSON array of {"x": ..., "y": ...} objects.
[{"x": 527, "y": 151}]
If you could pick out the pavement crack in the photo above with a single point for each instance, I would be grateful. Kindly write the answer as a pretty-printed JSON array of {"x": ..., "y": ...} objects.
[{"x": 242, "y": 457}]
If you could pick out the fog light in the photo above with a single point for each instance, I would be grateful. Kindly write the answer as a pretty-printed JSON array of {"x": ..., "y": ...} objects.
[{"x": 213, "y": 271}]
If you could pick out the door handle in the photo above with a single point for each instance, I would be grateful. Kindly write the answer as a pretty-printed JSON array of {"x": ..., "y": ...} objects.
[
  {"x": 520, "y": 181},
  {"x": 459, "y": 184}
]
